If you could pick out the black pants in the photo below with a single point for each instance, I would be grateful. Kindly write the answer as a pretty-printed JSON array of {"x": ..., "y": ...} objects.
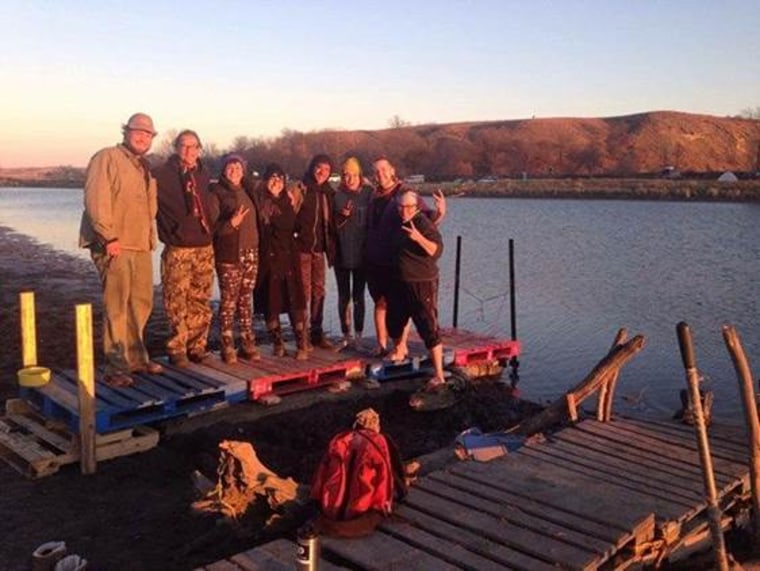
[
  {"x": 351, "y": 284},
  {"x": 418, "y": 300}
]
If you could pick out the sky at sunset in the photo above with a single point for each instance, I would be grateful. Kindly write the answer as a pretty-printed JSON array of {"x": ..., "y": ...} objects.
[{"x": 73, "y": 71}]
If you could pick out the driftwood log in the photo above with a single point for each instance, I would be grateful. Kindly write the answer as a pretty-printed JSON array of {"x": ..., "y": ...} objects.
[
  {"x": 559, "y": 410},
  {"x": 607, "y": 390},
  {"x": 747, "y": 391}
]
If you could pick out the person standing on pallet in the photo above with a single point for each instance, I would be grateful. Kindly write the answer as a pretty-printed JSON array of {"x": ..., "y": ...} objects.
[
  {"x": 315, "y": 241},
  {"x": 350, "y": 213},
  {"x": 236, "y": 246},
  {"x": 118, "y": 227},
  {"x": 383, "y": 227},
  {"x": 414, "y": 294},
  {"x": 279, "y": 287},
  {"x": 186, "y": 217}
]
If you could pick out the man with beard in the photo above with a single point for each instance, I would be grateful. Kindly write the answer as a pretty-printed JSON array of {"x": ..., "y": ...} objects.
[
  {"x": 118, "y": 228},
  {"x": 186, "y": 217}
]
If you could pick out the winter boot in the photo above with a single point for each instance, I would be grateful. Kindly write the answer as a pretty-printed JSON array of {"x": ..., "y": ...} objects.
[
  {"x": 229, "y": 355},
  {"x": 248, "y": 348},
  {"x": 278, "y": 346},
  {"x": 302, "y": 351}
]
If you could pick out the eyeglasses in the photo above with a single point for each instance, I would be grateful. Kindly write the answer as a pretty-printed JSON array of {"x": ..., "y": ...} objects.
[
  {"x": 402, "y": 206},
  {"x": 190, "y": 147}
]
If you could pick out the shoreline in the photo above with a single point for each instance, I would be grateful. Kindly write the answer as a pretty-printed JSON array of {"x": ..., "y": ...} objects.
[{"x": 581, "y": 188}]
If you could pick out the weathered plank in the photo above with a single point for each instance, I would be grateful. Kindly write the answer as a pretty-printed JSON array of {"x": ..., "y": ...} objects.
[
  {"x": 529, "y": 541},
  {"x": 474, "y": 541},
  {"x": 284, "y": 551},
  {"x": 532, "y": 507},
  {"x": 643, "y": 491},
  {"x": 729, "y": 464},
  {"x": 380, "y": 552},
  {"x": 567, "y": 490},
  {"x": 618, "y": 472},
  {"x": 688, "y": 488},
  {"x": 495, "y": 505},
  {"x": 679, "y": 463},
  {"x": 733, "y": 451},
  {"x": 452, "y": 552}
]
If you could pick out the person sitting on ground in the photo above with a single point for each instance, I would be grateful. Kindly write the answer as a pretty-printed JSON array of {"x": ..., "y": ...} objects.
[
  {"x": 118, "y": 227},
  {"x": 236, "y": 247},
  {"x": 279, "y": 286},
  {"x": 415, "y": 293},
  {"x": 350, "y": 214},
  {"x": 186, "y": 217}
]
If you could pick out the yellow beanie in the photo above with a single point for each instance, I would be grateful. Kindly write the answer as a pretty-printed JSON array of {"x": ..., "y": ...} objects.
[{"x": 352, "y": 165}]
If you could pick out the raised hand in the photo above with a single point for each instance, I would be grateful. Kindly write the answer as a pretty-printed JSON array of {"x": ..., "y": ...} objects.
[
  {"x": 240, "y": 214},
  {"x": 440, "y": 204}
]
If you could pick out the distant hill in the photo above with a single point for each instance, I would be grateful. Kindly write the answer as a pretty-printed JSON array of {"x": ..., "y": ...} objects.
[{"x": 643, "y": 144}]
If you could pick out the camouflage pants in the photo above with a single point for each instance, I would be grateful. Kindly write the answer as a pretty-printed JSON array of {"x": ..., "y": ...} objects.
[
  {"x": 187, "y": 277},
  {"x": 236, "y": 282}
]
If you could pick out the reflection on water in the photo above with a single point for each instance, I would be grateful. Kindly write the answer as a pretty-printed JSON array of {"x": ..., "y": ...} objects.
[{"x": 583, "y": 270}]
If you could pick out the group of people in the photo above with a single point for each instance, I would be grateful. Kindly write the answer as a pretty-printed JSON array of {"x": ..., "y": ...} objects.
[{"x": 269, "y": 243}]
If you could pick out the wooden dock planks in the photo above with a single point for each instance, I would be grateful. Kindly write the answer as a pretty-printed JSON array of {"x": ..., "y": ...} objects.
[{"x": 596, "y": 495}]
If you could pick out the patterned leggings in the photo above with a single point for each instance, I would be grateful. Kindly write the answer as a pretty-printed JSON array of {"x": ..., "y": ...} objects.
[{"x": 236, "y": 282}]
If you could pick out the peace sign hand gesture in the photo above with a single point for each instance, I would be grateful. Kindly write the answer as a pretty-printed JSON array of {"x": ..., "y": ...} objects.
[{"x": 240, "y": 214}]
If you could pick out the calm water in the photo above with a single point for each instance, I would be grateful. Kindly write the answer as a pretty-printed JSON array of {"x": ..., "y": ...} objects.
[{"x": 583, "y": 270}]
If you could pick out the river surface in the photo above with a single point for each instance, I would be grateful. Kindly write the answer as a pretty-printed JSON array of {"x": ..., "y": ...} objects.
[{"x": 584, "y": 269}]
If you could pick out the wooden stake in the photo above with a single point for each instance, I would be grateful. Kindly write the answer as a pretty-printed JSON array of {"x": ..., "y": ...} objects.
[
  {"x": 746, "y": 387},
  {"x": 28, "y": 329},
  {"x": 86, "y": 374},
  {"x": 713, "y": 511},
  {"x": 607, "y": 390}
]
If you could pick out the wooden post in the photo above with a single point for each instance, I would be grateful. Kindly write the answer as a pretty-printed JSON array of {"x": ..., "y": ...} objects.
[
  {"x": 86, "y": 375},
  {"x": 558, "y": 410},
  {"x": 747, "y": 390},
  {"x": 28, "y": 329},
  {"x": 713, "y": 511},
  {"x": 607, "y": 390}
]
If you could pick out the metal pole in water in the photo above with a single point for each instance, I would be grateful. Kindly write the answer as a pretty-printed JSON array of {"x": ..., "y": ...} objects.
[
  {"x": 457, "y": 268},
  {"x": 512, "y": 311}
]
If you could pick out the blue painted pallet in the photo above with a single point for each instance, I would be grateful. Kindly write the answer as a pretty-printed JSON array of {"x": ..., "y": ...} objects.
[{"x": 176, "y": 392}]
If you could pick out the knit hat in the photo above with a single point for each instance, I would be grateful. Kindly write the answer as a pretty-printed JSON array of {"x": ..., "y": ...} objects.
[
  {"x": 352, "y": 165},
  {"x": 232, "y": 158},
  {"x": 272, "y": 170}
]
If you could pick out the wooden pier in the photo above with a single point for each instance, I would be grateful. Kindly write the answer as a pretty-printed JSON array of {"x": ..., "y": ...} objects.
[
  {"x": 201, "y": 388},
  {"x": 594, "y": 496}
]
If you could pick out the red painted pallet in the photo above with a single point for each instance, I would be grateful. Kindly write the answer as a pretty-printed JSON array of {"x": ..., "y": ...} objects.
[{"x": 292, "y": 381}]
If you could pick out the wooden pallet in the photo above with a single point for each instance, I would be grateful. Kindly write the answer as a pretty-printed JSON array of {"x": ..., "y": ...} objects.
[
  {"x": 37, "y": 447},
  {"x": 176, "y": 392},
  {"x": 279, "y": 555},
  {"x": 282, "y": 375}
]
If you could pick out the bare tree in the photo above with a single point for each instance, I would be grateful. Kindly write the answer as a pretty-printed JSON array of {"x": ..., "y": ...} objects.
[
  {"x": 750, "y": 113},
  {"x": 397, "y": 122}
]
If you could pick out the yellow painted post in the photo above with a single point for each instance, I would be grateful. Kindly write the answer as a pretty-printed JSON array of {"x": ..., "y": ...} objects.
[
  {"x": 28, "y": 329},
  {"x": 86, "y": 375}
]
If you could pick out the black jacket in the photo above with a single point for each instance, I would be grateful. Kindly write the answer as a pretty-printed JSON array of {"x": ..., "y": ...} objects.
[{"x": 176, "y": 221}]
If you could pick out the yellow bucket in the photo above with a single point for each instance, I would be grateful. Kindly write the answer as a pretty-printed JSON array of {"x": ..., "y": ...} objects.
[{"x": 33, "y": 376}]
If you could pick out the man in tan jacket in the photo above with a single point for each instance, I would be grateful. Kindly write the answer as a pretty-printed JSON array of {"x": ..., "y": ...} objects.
[{"x": 118, "y": 227}]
